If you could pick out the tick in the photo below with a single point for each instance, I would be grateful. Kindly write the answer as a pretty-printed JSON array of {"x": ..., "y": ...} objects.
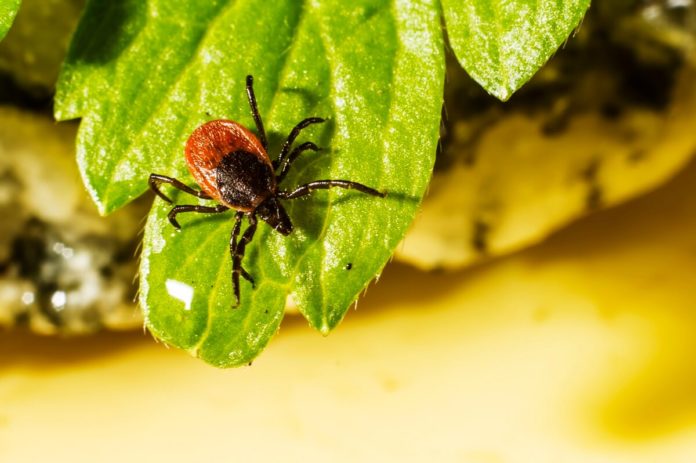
[{"x": 232, "y": 167}]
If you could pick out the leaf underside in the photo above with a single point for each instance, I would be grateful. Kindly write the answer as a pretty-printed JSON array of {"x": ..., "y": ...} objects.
[{"x": 502, "y": 43}]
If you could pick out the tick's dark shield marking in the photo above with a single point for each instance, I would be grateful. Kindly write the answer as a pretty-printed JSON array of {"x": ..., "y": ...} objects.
[{"x": 232, "y": 167}]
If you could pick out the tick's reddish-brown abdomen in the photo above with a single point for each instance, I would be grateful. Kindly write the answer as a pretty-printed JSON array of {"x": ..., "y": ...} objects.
[{"x": 210, "y": 143}]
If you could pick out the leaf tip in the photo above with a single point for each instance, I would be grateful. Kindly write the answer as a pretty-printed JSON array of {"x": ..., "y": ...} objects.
[
  {"x": 500, "y": 91},
  {"x": 504, "y": 93},
  {"x": 324, "y": 328},
  {"x": 103, "y": 208}
]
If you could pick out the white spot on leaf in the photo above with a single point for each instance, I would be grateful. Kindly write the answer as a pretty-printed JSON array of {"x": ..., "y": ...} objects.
[{"x": 181, "y": 291}]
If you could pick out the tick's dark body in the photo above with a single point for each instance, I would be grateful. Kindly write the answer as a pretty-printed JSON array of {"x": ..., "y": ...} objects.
[
  {"x": 232, "y": 167},
  {"x": 244, "y": 180}
]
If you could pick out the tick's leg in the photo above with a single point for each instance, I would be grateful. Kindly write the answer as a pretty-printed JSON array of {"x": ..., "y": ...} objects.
[
  {"x": 291, "y": 139},
  {"x": 157, "y": 179},
  {"x": 191, "y": 208},
  {"x": 255, "y": 111},
  {"x": 307, "y": 188},
  {"x": 247, "y": 277},
  {"x": 233, "y": 251},
  {"x": 233, "y": 244},
  {"x": 293, "y": 155},
  {"x": 237, "y": 250},
  {"x": 235, "y": 231}
]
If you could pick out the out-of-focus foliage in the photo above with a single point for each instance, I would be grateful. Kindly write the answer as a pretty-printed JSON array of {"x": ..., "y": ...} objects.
[{"x": 8, "y": 11}]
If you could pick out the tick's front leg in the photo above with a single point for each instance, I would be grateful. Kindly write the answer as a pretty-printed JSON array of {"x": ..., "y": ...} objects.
[
  {"x": 176, "y": 210},
  {"x": 156, "y": 180}
]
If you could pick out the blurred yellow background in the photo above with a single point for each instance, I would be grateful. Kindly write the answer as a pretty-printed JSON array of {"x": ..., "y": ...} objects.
[{"x": 576, "y": 350}]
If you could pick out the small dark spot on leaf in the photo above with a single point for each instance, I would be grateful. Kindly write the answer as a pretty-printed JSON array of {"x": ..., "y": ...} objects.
[{"x": 349, "y": 265}]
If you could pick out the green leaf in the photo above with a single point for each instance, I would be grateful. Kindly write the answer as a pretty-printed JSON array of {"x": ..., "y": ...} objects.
[
  {"x": 143, "y": 77},
  {"x": 502, "y": 43},
  {"x": 8, "y": 11}
]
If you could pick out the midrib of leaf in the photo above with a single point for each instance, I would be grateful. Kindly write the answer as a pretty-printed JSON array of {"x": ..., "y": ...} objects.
[
  {"x": 282, "y": 74},
  {"x": 265, "y": 281},
  {"x": 222, "y": 266}
]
